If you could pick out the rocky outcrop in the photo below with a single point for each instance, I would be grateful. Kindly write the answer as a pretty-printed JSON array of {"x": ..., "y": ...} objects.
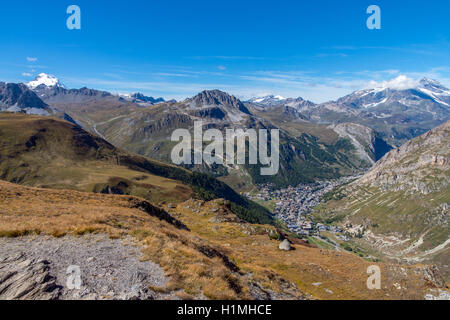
[
  {"x": 368, "y": 145},
  {"x": 38, "y": 269},
  {"x": 141, "y": 98},
  {"x": 26, "y": 279},
  {"x": 156, "y": 212},
  {"x": 400, "y": 207},
  {"x": 211, "y": 98},
  {"x": 419, "y": 166},
  {"x": 18, "y": 98},
  {"x": 215, "y": 113}
]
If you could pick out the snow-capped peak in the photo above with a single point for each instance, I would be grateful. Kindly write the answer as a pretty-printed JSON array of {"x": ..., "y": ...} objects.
[
  {"x": 45, "y": 79},
  {"x": 403, "y": 82},
  {"x": 270, "y": 98},
  {"x": 125, "y": 95},
  {"x": 435, "y": 86},
  {"x": 427, "y": 81},
  {"x": 397, "y": 90}
]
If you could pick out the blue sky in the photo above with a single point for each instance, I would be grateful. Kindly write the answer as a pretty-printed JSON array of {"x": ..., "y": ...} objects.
[{"x": 319, "y": 50}]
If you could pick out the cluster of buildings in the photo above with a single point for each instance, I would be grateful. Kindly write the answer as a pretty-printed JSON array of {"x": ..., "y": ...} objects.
[{"x": 295, "y": 203}]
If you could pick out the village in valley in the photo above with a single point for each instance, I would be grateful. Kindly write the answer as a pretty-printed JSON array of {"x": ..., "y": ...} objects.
[{"x": 293, "y": 205}]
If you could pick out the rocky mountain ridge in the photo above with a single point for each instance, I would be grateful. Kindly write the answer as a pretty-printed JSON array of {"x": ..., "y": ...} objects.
[
  {"x": 18, "y": 98},
  {"x": 414, "y": 165},
  {"x": 399, "y": 109},
  {"x": 400, "y": 207}
]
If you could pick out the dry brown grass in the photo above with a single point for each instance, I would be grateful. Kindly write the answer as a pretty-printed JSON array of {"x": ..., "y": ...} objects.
[
  {"x": 193, "y": 264},
  {"x": 50, "y": 153},
  {"x": 342, "y": 275},
  {"x": 216, "y": 260}
]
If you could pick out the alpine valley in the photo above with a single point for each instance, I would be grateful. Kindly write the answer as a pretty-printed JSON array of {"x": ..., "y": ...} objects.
[{"x": 363, "y": 180}]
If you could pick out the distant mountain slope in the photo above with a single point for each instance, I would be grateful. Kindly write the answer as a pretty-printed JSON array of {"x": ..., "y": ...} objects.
[
  {"x": 400, "y": 207},
  {"x": 369, "y": 146},
  {"x": 419, "y": 166},
  {"x": 54, "y": 93},
  {"x": 75, "y": 103},
  {"x": 18, "y": 98},
  {"x": 231, "y": 107},
  {"x": 147, "y": 131},
  {"x": 46, "y": 152},
  {"x": 398, "y": 110},
  {"x": 142, "y": 99},
  {"x": 274, "y": 101},
  {"x": 142, "y": 125}
]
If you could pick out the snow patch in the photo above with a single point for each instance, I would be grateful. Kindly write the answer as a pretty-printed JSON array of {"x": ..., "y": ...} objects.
[
  {"x": 434, "y": 95},
  {"x": 45, "y": 79}
]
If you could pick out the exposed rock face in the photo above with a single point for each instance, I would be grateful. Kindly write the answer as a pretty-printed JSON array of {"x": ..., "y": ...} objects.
[
  {"x": 36, "y": 269},
  {"x": 400, "y": 207},
  {"x": 419, "y": 166},
  {"x": 398, "y": 113},
  {"x": 18, "y": 98},
  {"x": 298, "y": 104},
  {"x": 222, "y": 213},
  {"x": 218, "y": 98},
  {"x": 214, "y": 112},
  {"x": 369, "y": 147},
  {"x": 432, "y": 276},
  {"x": 141, "y": 98},
  {"x": 26, "y": 279},
  {"x": 215, "y": 98},
  {"x": 62, "y": 95}
]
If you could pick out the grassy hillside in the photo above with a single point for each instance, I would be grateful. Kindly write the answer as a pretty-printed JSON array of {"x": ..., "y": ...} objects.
[
  {"x": 50, "y": 153},
  {"x": 204, "y": 249},
  {"x": 308, "y": 151},
  {"x": 400, "y": 207}
]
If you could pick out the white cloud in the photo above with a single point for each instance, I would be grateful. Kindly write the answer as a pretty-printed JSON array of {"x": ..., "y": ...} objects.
[
  {"x": 402, "y": 82},
  {"x": 222, "y": 68},
  {"x": 303, "y": 83},
  {"x": 27, "y": 74},
  {"x": 31, "y": 59}
]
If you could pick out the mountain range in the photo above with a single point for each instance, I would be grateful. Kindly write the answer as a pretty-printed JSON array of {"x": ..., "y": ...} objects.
[
  {"x": 398, "y": 112},
  {"x": 273, "y": 101},
  {"x": 18, "y": 98},
  {"x": 147, "y": 131},
  {"x": 318, "y": 141},
  {"x": 51, "y": 153},
  {"x": 86, "y": 161}
]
